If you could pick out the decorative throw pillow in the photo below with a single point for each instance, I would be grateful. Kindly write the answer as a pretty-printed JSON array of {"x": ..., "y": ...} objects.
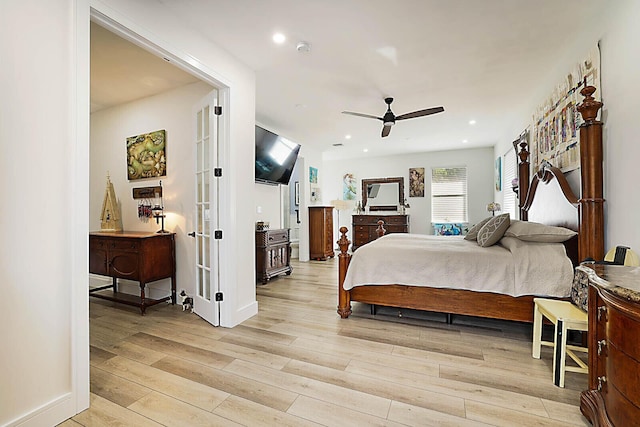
[
  {"x": 536, "y": 232},
  {"x": 493, "y": 230},
  {"x": 472, "y": 234}
]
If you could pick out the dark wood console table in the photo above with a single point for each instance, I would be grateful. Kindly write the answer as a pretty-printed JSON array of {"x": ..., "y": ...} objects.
[{"x": 140, "y": 256}]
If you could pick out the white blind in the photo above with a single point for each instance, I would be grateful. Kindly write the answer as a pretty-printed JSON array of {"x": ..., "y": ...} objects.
[
  {"x": 449, "y": 195},
  {"x": 509, "y": 201}
]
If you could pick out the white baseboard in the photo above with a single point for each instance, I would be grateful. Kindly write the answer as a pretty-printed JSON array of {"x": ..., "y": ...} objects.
[{"x": 49, "y": 414}]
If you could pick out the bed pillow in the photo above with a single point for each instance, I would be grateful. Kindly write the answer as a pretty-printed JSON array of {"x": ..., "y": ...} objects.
[
  {"x": 493, "y": 230},
  {"x": 536, "y": 232},
  {"x": 472, "y": 234}
]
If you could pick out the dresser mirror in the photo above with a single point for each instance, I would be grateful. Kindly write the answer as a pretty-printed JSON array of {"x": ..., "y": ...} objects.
[{"x": 383, "y": 194}]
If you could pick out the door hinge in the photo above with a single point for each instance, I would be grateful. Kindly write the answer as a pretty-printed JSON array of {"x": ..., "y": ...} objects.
[
  {"x": 217, "y": 234},
  {"x": 217, "y": 110},
  {"x": 217, "y": 172},
  {"x": 218, "y": 296}
]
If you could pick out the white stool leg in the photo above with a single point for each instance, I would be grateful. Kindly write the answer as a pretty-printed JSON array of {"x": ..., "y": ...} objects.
[{"x": 537, "y": 331}]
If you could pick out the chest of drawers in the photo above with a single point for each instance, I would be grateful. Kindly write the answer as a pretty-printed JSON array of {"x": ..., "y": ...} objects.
[
  {"x": 364, "y": 227},
  {"x": 613, "y": 397},
  {"x": 321, "y": 232}
]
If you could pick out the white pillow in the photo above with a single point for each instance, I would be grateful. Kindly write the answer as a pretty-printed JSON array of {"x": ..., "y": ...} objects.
[
  {"x": 493, "y": 230},
  {"x": 536, "y": 232}
]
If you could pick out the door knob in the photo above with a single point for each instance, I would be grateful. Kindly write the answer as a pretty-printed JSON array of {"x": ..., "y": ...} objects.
[{"x": 192, "y": 234}]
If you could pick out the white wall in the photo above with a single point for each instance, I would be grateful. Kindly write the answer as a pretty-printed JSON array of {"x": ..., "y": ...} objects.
[
  {"x": 44, "y": 174},
  {"x": 173, "y": 112},
  {"x": 36, "y": 217},
  {"x": 479, "y": 163},
  {"x": 617, "y": 35},
  {"x": 268, "y": 206}
]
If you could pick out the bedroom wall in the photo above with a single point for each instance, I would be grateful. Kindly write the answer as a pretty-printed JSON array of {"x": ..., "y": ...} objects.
[
  {"x": 617, "y": 34},
  {"x": 173, "y": 112},
  {"x": 44, "y": 255},
  {"x": 479, "y": 163}
]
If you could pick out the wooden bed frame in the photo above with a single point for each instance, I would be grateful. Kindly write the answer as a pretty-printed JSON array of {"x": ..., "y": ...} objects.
[{"x": 587, "y": 219}]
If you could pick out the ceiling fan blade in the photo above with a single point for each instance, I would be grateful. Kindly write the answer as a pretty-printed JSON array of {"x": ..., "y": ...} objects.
[
  {"x": 386, "y": 130},
  {"x": 420, "y": 113},
  {"x": 369, "y": 116}
]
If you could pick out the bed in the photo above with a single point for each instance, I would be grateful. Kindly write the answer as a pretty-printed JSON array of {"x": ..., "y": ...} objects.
[{"x": 548, "y": 200}]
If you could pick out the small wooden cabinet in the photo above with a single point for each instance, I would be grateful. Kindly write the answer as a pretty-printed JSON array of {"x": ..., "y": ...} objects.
[
  {"x": 273, "y": 254},
  {"x": 143, "y": 257},
  {"x": 321, "y": 232},
  {"x": 364, "y": 227},
  {"x": 613, "y": 397}
]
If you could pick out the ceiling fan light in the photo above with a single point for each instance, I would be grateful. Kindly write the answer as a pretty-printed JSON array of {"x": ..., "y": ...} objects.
[{"x": 389, "y": 124}]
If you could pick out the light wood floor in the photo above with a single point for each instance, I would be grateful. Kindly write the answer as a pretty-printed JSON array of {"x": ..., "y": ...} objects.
[{"x": 297, "y": 363}]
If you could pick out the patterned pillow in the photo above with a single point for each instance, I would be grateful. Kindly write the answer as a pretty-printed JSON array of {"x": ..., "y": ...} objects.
[
  {"x": 580, "y": 289},
  {"x": 493, "y": 230},
  {"x": 472, "y": 234}
]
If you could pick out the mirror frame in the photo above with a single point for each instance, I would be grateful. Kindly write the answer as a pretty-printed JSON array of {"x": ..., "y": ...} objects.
[{"x": 398, "y": 180}]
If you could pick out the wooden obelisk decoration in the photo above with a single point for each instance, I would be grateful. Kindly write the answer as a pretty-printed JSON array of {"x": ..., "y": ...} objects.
[
  {"x": 591, "y": 200},
  {"x": 110, "y": 219}
]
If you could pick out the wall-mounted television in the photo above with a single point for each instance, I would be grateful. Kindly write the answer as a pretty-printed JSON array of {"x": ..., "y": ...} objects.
[{"x": 275, "y": 157}]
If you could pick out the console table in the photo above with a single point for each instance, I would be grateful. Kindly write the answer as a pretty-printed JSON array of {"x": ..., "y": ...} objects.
[
  {"x": 140, "y": 256},
  {"x": 364, "y": 227},
  {"x": 273, "y": 253},
  {"x": 613, "y": 397}
]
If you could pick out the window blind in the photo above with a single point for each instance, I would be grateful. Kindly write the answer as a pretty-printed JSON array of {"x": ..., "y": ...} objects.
[
  {"x": 449, "y": 195},
  {"x": 509, "y": 201}
]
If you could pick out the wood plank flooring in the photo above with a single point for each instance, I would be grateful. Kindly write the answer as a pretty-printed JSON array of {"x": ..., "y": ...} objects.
[{"x": 297, "y": 363}]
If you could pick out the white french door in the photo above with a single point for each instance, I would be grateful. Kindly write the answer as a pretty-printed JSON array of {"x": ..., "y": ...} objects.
[{"x": 207, "y": 211}]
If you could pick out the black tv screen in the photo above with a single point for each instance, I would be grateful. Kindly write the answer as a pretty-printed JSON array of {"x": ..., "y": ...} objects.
[{"x": 275, "y": 157}]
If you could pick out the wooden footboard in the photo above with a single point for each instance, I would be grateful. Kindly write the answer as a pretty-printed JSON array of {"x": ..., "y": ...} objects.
[{"x": 442, "y": 300}]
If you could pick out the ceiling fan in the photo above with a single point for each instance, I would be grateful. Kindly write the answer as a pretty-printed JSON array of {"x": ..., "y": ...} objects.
[{"x": 389, "y": 119}]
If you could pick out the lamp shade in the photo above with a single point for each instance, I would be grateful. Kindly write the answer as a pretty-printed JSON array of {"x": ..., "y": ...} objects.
[
  {"x": 493, "y": 207},
  {"x": 341, "y": 204}
]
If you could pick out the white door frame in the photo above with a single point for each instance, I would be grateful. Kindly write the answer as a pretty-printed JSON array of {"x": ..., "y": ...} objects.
[{"x": 94, "y": 10}]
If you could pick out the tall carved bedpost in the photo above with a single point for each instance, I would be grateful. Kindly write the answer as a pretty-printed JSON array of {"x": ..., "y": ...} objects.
[
  {"x": 344, "y": 298},
  {"x": 591, "y": 203},
  {"x": 523, "y": 179}
]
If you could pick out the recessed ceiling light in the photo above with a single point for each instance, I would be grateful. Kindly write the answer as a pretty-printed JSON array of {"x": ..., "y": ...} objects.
[
  {"x": 472, "y": 122},
  {"x": 464, "y": 141},
  {"x": 347, "y": 137},
  {"x": 366, "y": 150},
  {"x": 279, "y": 38}
]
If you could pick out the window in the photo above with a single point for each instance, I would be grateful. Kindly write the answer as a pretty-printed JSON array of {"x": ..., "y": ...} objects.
[
  {"x": 509, "y": 203},
  {"x": 449, "y": 195}
]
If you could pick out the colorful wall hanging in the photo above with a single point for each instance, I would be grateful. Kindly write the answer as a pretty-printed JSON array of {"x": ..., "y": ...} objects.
[{"x": 555, "y": 124}]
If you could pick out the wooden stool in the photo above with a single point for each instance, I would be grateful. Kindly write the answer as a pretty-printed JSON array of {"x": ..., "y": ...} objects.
[{"x": 565, "y": 316}]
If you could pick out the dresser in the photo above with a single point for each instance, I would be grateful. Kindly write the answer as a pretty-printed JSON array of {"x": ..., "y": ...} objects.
[
  {"x": 140, "y": 256},
  {"x": 364, "y": 227},
  {"x": 321, "y": 232},
  {"x": 273, "y": 254},
  {"x": 613, "y": 397}
]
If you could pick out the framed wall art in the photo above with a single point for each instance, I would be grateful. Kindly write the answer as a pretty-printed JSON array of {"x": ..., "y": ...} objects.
[
  {"x": 146, "y": 155},
  {"x": 416, "y": 182},
  {"x": 313, "y": 175}
]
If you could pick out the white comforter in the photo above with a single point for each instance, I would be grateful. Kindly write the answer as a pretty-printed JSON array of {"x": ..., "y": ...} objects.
[{"x": 511, "y": 267}]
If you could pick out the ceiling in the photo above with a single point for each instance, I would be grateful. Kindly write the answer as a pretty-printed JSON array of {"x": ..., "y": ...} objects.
[{"x": 473, "y": 57}]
